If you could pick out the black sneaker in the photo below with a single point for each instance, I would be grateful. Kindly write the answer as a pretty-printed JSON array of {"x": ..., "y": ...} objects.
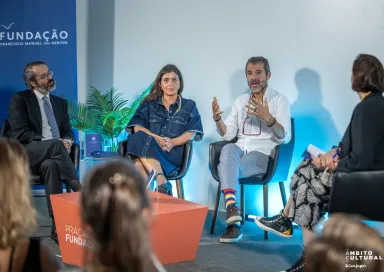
[
  {"x": 297, "y": 267},
  {"x": 165, "y": 188},
  {"x": 278, "y": 224},
  {"x": 232, "y": 234},
  {"x": 233, "y": 214}
]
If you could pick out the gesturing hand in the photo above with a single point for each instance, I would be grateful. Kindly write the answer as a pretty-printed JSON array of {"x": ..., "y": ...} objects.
[
  {"x": 257, "y": 109},
  {"x": 168, "y": 144},
  {"x": 216, "y": 109}
]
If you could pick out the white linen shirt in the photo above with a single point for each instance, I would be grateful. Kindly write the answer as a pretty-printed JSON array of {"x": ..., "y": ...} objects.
[{"x": 266, "y": 141}]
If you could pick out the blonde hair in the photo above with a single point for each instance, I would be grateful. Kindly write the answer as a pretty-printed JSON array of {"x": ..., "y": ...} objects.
[
  {"x": 17, "y": 216},
  {"x": 341, "y": 234}
]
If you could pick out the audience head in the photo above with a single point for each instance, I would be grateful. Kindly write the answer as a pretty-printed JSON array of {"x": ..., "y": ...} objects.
[
  {"x": 258, "y": 73},
  {"x": 168, "y": 81},
  {"x": 367, "y": 74},
  {"x": 17, "y": 216},
  {"x": 340, "y": 235},
  {"x": 38, "y": 77},
  {"x": 115, "y": 210}
]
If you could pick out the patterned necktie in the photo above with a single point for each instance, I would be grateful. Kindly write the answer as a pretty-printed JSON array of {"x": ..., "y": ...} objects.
[{"x": 51, "y": 118}]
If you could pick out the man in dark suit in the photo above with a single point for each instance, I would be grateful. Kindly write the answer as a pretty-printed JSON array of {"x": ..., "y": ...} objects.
[{"x": 40, "y": 122}]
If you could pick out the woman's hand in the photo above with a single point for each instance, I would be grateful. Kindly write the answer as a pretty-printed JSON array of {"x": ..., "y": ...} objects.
[
  {"x": 316, "y": 162},
  {"x": 168, "y": 144},
  {"x": 160, "y": 141},
  {"x": 328, "y": 159}
]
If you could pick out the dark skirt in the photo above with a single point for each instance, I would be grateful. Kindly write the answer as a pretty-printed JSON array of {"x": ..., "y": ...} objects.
[
  {"x": 143, "y": 145},
  {"x": 310, "y": 187}
]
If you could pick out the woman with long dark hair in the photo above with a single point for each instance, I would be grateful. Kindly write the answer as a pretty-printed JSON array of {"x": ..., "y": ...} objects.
[
  {"x": 161, "y": 126},
  {"x": 361, "y": 149}
]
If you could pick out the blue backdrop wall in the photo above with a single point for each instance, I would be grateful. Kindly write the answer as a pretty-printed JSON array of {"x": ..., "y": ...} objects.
[{"x": 37, "y": 30}]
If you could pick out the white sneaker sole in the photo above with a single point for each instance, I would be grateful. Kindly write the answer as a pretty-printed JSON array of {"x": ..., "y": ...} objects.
[
  {"x": 231, "y": 240},
  {"x": 257, "y": 222},
  {"x": 233, "y": 220}
]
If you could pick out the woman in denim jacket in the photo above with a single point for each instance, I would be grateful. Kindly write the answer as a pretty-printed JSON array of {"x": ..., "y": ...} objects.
[{"x": 161, "y": 126}]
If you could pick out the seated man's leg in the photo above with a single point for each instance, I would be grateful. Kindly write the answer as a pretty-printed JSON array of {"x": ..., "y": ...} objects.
[
  {"x": 228, "y": 170},
  {"x": 51, "y": 161},
  {"x": 50, "y": 173},
  {"x": 56, "y": 151}
]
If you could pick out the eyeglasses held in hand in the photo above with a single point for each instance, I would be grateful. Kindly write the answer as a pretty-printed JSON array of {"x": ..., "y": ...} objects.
[{"x": 248, "y": 123}]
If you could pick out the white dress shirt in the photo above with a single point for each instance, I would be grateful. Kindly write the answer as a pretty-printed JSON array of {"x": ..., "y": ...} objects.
[
  {"x": 266, "y": 141},
  {"x": 46, "y": 128}
]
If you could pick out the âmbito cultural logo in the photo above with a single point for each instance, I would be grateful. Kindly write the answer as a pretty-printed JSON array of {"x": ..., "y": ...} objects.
[
  {"x": 353, "y": 258},
  {"x": 361, "y": 255},
  {"x": 9, "y": 37}
]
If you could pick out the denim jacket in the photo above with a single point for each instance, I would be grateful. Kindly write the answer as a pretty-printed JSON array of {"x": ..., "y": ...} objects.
[{"x": 153, "y": 116}]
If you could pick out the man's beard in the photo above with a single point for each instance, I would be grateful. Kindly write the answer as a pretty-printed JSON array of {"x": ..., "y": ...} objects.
[
  {"x": 46, "y": 88},
  {"x": 262, "y": 85}
]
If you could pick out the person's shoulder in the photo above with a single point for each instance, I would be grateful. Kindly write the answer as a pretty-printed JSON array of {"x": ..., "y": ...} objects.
[
  {"x": 243, "y": 96},
  {"x": 20, "y": 97},
  {"x": 57, "y": 98},
  {"x": 275, "y": 93},
  {"x": 240, "y": 99},
  {"x": 373, "y": 104},
  {"x": 188, "y": 102},
  {"x": 23, "y": 93},
  {"x": 147, "y": 104}
]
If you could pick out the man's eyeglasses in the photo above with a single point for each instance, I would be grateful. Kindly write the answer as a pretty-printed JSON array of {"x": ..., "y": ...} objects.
[{"x": 45, "y": 75}]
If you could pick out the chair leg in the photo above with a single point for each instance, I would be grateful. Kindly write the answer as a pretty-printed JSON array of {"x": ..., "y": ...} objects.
[
  {"x": 217, "y": 206},
  {"x": 180, "y": 188},
  {"x": 282, "y": 191},
  {"x": 265, "y": 196},
  {"x": 242, "y": 204}
]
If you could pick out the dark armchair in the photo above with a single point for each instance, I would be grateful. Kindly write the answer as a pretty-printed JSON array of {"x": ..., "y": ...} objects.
[
  {"x": 359, "y": 193},
  {"x": 278, "y": 167},
  {"x": 178, "y": 176},
  {"x": 37, "y": 180}
]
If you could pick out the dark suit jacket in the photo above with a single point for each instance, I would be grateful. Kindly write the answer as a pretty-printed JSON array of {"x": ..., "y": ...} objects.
[
  {"x": 24, "y": 117},
  {"x": 362, "y": 146}
]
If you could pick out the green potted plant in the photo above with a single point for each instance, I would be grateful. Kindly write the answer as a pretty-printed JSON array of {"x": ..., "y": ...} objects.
[{"x": 103, "y": 113}]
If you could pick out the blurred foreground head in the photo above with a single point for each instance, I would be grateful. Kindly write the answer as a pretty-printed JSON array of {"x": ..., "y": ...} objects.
[
  {"x": 17, "y": 216},
  {"x": 343, "y": 245},
  {"x": 114, "y": 209}
]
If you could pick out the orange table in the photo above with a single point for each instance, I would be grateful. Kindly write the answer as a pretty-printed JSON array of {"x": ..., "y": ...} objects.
[{"x": 175, "y": 231}]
